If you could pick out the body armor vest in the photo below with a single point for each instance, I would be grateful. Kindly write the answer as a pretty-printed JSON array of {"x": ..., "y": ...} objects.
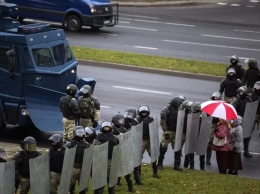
[
  {"x": 56, "y": 160},
  {"x": 172, "y": 118},
  {"x": 65, "y": 107},
  {"x": 24, "y": 169},
  {"x": 86, "y": 106}
]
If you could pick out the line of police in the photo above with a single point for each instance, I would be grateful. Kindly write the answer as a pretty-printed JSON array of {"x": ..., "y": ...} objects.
[{"x": 81, "y": 115}]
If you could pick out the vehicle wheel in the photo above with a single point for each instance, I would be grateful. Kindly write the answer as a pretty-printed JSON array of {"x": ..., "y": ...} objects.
[
  {"x": 73, "y": 23},
  {"x": 95, "y": 28},
  {"x": 2, "y": 124}
]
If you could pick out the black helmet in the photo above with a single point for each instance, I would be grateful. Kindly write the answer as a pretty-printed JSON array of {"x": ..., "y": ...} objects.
[
  {"x": 143, "y": 111},
  {"x": 2, "y": 153},
  {"x": 251, "y": 62},
  {"x": 79, "y": 132},
  {"x": 56, "y": 141},
  {"x": 176, "y": 101},
  {"x": 118, "y": 120},
  {"x": 28, "y": 144},
  {"x": 86, "y": 89},
  {"x": 234, "y": 59},
  {"x": 216, "y": 96},
  {"x": 90, "y": 134},
  {"x": 130, "y": 113},
  {"x": 72, "y": 89},
  {"x": 106, "y": 124}
]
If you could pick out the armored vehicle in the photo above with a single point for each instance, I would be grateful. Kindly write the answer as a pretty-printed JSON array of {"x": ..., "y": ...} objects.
[{"x": 36, "y": 65}]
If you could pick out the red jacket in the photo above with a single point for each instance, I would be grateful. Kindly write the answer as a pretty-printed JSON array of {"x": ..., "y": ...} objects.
[{"x": 222, "y": 131}]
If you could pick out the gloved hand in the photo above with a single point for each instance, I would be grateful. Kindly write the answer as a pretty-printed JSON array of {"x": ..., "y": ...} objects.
[
  {"x": 95, "y": 124},
  {"x": 167, "y": 136}
]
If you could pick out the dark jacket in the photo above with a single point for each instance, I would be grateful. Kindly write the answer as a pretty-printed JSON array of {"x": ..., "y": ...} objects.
[
  {"x": 252, "y": 75},
  {"x": 240, "y": 104},
  {"x": 230, "y": 86},
  {"x": 146, "y": 121},
  {"x": 112, "y": 141}
]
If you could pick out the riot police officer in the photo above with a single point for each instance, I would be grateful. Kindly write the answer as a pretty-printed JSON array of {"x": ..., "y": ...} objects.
[
  {"x": 168, "y": 123},
  {"x": 70, "y": 110},
  {"x": 22, "y": 168},
  {"x": 91, "y": 136},
  {"x": 106, "y": 135},
  {"x": 89, "y": 108},
  {"x": 2, "y": 155},
  {"x": 80, "y": 144},
  {"x": 57, "y": 152},
  {"x": 240, "y": 71},
  {"x": 252, "y": 74},
  {"x": 130, "y": 115},
  {"x": 118, "y": 128},
  {"x": 256, "y": 97},
  {"x": 143, "y": 115}
]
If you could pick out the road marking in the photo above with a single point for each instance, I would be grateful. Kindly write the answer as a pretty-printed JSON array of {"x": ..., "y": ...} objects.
[
  {"x": 253, "y": 1},
  {"x": 211, "y": 45},
  {"x": 136, "y": 28},
  {"x": 239, "y": 57},
  {"x": 105, "y": 106},
  {"x": 124, "y": 22},
  {"x": 157, "y": 22},
  {"x": 108, "y": 34},
  {"x": 139, "y": 16},
  {"x": 142, "y": 90},
  {"x": 143, "y": 47},
  {"x": 234, "y": 38},
  {"x": 222, "y": 3},
  {"x": 249, "y": 31},
  {"x": 235, "y": 5}
]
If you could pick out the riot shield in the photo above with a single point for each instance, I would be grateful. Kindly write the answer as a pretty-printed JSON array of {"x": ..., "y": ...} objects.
[
  {"x": 115, "y": 162},
  {"x": 99, "y": 166},
  {"x": 40, "y": 173},
  {"x": 126, "y": 164},
  {"x": 7, "y": 177},
  {"x": 179, "y": 131},
  {"x": 86, "y": 168},
  {"x": 154, "y": 140},
  {"x": 249, "y": 118},
  {"x": 204, "y": 132},
  {"x": 192, "y": 133},
  {"x": 66, "y": 174},
  {"x": 137, "y": 142}
]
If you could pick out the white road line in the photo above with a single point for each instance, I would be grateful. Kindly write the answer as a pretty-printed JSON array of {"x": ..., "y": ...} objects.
[
  {"x": 222, "y": 3},
  {"x": 239, "y": 57},
  {"x": 124, "y": 22},
  {"x": 136, "y": 28},
  {"x": 143, "y": 47},
  {"x": 105, "y": 106},
  {"x": 139, "y": 16},
  {"x": 108, "y": 34},
  {"x": 235, "y": 5},
  {"x": 234, "y": 38},
  {"x": 157, "y": 22},
  {"x": 212, "y": 45},
  {"x": 141, "y": 90},
  {"x": 253, "y": 1},
  {"x": 249, "y": 31}
]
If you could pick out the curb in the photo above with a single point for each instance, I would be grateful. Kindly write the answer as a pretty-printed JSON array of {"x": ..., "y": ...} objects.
[{"x": 151, "y": 70}]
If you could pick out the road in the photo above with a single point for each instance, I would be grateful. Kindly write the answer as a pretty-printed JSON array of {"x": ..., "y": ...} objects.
[{"x": 208, "y": 32}]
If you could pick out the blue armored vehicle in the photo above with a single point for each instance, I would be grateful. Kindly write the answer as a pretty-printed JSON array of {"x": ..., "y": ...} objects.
[{"x": 36, "y": 65}]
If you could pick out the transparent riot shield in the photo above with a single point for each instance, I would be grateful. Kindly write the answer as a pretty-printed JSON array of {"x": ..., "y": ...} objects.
[
  {"x": 86, "y": 168},
  {"x": 7, "y": 177},
  {"x": 192, "y": 133},
  {"x": 99, "y": 166},
  {"x": 137, "y": 142},
  {"x": 204, "y": 132},
  {"x": 115, "y": 163},
  {"x": 179, "y": 131},
  {"x": 40, "y": 173},
  {"x": 154, "y": 140},
  {"x": 66, "y": 173},
  {"x": 126, "y": 164},
  {"x": 249, "y": 118}
]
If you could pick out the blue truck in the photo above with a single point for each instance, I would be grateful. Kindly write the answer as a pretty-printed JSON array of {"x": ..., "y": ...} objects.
[
  {"x": 36, "y": 65},
  {"x": 72, "y": 14}
]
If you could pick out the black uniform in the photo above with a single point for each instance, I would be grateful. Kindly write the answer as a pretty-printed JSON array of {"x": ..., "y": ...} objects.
[
  {"x": 240, "y": 71},
  {"x": 252, "y": 75}
]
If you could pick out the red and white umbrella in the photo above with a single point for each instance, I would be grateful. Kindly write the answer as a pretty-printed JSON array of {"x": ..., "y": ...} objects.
[{"x": 220, "y": 109}]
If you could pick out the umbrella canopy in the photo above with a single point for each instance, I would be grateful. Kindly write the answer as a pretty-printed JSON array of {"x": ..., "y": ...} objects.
[{"x": 220, "y": 109}]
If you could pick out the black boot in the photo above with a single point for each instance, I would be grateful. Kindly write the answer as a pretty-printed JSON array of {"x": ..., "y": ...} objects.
[
  {"x": 137, "y": 176},
  {"x": 202, "y": 162},
  {"x": 72, "y": 189},
  {"x": 119, "y": 181},
  {"x": 155, "y": 171},
  {"x": 186, "y": 161},
  {"x": 98, "y": 191},
  {"x": 209, "y": 152},
  {"x": 192, "y": 161},
  {"x": 111, "y": 190},
  {"x": 163, "y": 150},
  {"x": 177, "y": 161},
  {"x": 246, "y": 145},
  {"x": 129, "y": 183}
]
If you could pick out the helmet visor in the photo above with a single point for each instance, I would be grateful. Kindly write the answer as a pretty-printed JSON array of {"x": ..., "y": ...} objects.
[
  {"x": 129, "y": 115},
  {"x": 30, "y": 147}
]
